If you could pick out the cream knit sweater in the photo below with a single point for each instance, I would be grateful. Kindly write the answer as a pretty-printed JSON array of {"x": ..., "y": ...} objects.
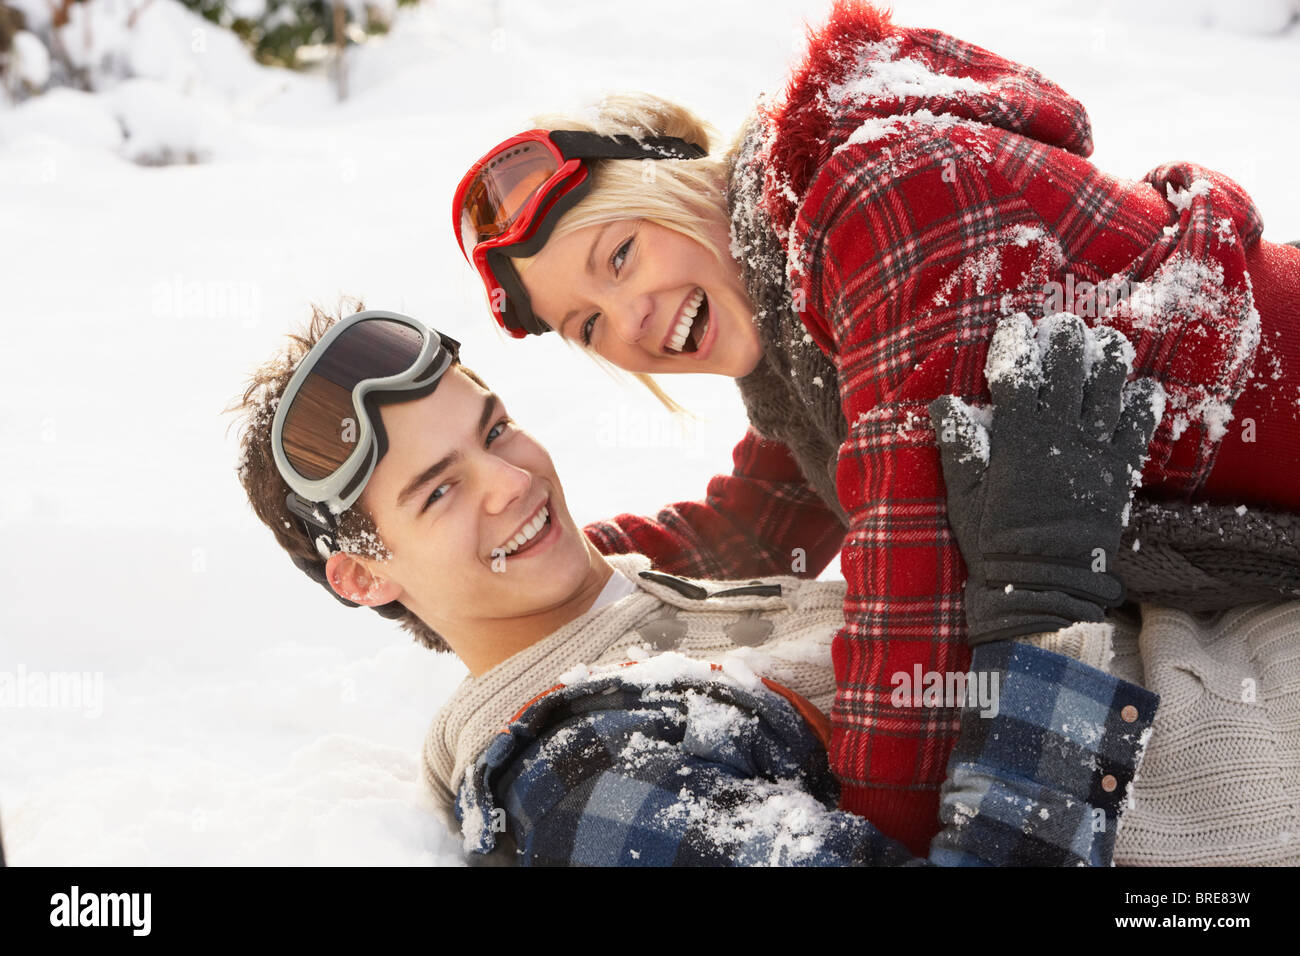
[
  {"x": 797, "y": 654},
  {"x": 1220, "y": 782}
]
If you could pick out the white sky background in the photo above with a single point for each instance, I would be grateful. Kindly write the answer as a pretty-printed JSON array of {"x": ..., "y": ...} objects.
[{"x": 247, "y": 718}]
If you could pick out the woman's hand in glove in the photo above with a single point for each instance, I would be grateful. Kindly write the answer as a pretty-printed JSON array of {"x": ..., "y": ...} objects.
[{"x": 1038, "y": 495}]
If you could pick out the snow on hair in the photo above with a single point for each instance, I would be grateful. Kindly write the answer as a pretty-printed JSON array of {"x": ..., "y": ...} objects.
[{"x": 265, "y": 488}]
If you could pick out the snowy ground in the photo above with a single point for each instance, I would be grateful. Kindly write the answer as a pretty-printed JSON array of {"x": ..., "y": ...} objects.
[{"x": 244, "y": 717}]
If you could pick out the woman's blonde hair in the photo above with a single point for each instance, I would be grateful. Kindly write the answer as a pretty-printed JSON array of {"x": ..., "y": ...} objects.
[{"x": 687, "y": 195}]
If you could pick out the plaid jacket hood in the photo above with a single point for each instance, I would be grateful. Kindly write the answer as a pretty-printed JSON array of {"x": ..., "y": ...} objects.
[
  {"x": 921, "y": 188},
  {"x": 813, "y": 125}
]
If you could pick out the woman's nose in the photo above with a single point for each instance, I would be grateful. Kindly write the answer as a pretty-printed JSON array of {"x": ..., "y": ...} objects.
[{"x": 631, "y": 318}]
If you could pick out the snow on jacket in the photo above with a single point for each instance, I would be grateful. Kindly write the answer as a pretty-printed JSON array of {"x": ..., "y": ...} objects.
[
  {"x": 920, "y": 188},
  {"x": 603, "y": 745}
]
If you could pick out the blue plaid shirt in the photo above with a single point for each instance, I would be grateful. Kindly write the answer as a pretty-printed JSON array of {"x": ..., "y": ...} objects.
[{"x": 610, "y": 772}]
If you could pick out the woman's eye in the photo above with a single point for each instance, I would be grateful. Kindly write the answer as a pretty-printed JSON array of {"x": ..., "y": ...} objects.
[
  {"x": 437, "y": 494},
  {"x": 588, "y": 328},
  {"x": 620, "y": 255}
]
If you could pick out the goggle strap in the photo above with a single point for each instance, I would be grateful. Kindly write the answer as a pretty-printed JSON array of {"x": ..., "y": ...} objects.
[
  {"x": 575, "y": 144},
  {"x": 516, "y": 297},
  {"x": 316, "y": 519}
]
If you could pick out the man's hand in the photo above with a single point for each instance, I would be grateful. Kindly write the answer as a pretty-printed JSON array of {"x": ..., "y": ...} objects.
[{"x": 1039, "y": 492}]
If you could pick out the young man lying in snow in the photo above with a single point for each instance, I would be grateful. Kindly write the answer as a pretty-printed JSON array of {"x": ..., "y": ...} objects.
[{"x": 618, "y": 715}]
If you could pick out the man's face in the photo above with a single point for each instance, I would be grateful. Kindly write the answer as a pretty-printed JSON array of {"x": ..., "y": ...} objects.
[{"x": 472, "y": 511}]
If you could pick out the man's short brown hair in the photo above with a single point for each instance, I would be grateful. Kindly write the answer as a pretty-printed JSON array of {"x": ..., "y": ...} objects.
[{"x": 357, "y": 533}]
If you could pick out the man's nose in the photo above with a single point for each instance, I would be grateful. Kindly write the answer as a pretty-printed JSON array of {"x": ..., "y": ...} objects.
[{"x": 505, "y": 484}]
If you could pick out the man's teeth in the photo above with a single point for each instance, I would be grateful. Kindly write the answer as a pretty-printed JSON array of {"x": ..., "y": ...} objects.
[
  {"x": 527, "y": 533},
  {"x": 683, "y": 329}
]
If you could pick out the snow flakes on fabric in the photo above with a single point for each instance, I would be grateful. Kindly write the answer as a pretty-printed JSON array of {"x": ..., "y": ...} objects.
[
  {"x": 774, "y": 823},
  {"x": 1184, "y": 286},
  {"x": 879, "y": 76},
  {"x": 981, "y": 272},
  {"x": 880, "y": 127}
]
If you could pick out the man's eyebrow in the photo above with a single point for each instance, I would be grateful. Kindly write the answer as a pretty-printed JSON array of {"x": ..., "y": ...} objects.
[
  {"x": 490, "y": 402},
  {"x": 591, "y": 268}
]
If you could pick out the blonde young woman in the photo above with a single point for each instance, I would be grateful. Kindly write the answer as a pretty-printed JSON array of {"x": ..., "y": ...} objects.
[{"x": 847, "y": 261}]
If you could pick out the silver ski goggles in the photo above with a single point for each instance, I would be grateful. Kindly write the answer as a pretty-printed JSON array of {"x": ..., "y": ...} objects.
[{"x": 327, "y": 436}]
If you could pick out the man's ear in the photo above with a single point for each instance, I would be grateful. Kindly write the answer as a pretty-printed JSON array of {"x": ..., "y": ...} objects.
[{"x": 353, "y": 580}]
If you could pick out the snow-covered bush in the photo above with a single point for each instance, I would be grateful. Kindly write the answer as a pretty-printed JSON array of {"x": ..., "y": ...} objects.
[
  {"x": 146, "y": 79},
  {"x": 93, "y": 44},
  {"x": 156, "y": 81},
  {"x": 280, "y": 30},
  {"x": 27, "y": 63}
]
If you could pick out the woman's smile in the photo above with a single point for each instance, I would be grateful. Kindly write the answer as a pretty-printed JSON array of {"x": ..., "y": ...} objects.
[{"x": 690, "y": 326}]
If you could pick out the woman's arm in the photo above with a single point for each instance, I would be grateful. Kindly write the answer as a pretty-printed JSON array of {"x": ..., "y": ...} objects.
[
  {"x": 761, "y": 520},
  {"x": 909, "y": 249},
  {"x": 880, "y": 250},
  {"x": 1047, "y": 745}
]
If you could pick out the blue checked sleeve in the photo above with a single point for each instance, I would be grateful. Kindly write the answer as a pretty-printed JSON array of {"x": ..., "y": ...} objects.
[
  {"x": 708, "y": 783},
  {"x": 1042, "y": 777},
  {"x": 703, "y": 777}
]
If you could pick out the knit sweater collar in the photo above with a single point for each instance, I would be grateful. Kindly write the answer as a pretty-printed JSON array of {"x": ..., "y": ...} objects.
[
  {"x": 482, "y": 705},
  {"x": 452, "y": 743}
]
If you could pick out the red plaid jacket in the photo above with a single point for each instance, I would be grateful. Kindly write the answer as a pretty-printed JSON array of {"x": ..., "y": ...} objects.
[
  {"x": 924, "y": 187},
  {"x": 760, "y": 520}
]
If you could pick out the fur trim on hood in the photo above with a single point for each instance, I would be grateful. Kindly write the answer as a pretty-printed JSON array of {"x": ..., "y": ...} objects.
[{"x": 840, "y": 51}]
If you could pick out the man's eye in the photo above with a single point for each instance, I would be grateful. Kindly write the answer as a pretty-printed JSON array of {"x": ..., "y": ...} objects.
[
  {"x": 437, "y": 494},
  {"x": 588, "y": 328},
  {"x": 497, "y": 430},
  {"x": 620, "y": 255}
]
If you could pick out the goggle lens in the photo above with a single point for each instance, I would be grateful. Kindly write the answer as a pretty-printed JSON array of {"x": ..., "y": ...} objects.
[
  {"x": 502, "y": 189},
  {"x": 320, "y": 429}
]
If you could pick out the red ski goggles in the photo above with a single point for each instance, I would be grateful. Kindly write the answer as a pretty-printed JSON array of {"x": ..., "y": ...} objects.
[{"x": 507, "y": 204}]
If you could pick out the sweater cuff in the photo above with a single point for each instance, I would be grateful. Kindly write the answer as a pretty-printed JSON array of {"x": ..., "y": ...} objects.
[
  {"x": 909, "y": 816},
  {"x": 1087, "y": 642}
]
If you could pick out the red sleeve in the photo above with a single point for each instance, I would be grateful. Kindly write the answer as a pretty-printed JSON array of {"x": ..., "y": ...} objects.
[
  {"x": 917, "y": 244},
  {"x": 916, "y": 222},
  {"x": 762, "y": 519},
  {"x": 898, "y": 291}
]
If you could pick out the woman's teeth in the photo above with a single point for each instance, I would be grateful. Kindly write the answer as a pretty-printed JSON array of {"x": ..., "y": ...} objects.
[
  {"x": 677, "y": 341},
  {"x": 527, "y": 532}
]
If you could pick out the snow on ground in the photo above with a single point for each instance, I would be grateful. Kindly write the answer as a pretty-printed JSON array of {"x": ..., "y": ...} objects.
[{"x": 232, "y": 713}]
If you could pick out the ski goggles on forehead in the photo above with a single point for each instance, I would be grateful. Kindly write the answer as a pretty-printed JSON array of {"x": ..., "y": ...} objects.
[
  {"x": 507, "y": 204},
  {"x": 327, "y": 435}
]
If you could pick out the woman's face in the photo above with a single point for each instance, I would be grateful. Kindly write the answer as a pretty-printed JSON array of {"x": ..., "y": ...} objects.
[{"x": 646, "y": 298}]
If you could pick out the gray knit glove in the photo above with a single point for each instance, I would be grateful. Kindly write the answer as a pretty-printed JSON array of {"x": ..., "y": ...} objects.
[{"x": 1039, "y": 492}]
